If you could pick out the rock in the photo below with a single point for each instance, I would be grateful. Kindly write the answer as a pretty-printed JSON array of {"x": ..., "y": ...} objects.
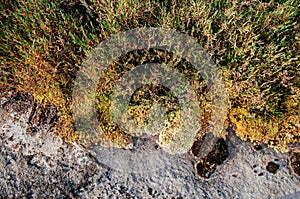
[{"x": 35, "y": 163}]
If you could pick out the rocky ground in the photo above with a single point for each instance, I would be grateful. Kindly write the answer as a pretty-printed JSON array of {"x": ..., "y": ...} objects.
[{"x": 35, "y": 163}]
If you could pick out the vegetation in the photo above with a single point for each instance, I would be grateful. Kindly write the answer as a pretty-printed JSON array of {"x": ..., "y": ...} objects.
[{"x": 255, "y": 45}]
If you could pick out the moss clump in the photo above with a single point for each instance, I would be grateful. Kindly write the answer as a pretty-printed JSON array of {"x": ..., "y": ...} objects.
[{"x": 254, "y": 44}]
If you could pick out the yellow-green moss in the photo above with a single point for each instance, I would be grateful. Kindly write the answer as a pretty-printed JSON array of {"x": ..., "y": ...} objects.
[{"x": 254, "y": 44}]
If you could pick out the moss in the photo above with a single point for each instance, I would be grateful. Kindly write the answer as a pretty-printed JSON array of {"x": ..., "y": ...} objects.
[{"x": 255, "y": 46}]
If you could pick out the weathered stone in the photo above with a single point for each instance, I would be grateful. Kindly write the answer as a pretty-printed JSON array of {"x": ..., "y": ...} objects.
[{"x": 34, "y": 163}]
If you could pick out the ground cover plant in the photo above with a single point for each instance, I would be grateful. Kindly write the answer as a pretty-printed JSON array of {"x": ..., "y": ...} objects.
[{"x": 255, "y": 45}]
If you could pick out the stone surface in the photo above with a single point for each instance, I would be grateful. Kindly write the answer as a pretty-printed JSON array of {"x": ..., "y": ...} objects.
[{"x": 34, "y": 163}]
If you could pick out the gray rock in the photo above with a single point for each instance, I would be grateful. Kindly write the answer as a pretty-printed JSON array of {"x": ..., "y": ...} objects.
[{"x": 35, "y": 163}]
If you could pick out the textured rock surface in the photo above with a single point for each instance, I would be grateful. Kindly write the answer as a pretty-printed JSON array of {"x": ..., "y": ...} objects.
[{"x": 34, "y": 163}]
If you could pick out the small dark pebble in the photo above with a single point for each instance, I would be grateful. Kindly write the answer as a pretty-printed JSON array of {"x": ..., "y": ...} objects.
[
  {"x": 257, "y": 147},
  {"x": 260, "y": 174},
  {"x": 234, "y": 175},
  {"x": 272, "y": 167}
]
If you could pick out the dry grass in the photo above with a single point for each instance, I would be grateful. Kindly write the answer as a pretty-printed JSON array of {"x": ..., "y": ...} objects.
[{"x": 255, "y": 45}]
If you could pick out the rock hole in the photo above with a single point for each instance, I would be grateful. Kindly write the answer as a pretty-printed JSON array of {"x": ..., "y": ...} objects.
[
  {"x": 257, "y": 147},
  {"x": 260, "y": 174},
  {"x": 272, "y": 167},
  {"x": 295, "y": 163},
  {"x": 207, "y": 166}
]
